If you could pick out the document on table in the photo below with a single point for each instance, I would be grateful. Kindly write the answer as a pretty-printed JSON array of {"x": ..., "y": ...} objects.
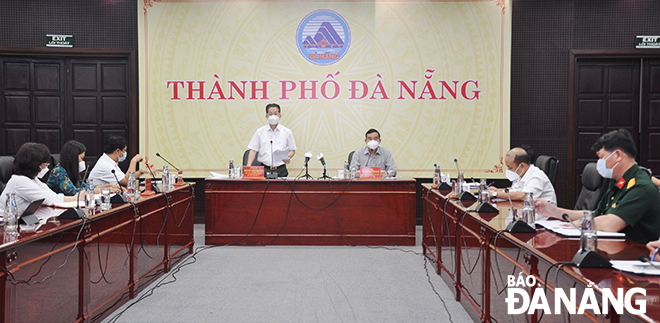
[
  {"x": 560, "y": 228},
  {"x": 636, "y": 267}
]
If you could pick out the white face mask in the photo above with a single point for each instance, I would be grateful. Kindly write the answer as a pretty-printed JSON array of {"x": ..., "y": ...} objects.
[
  {"x": 602, "y": 168},
  {"x": 273, "y": 120},
  {"x": 42, "y": 172},
  {"x": 373, "y": 144},
  {"x": 81, "y": 166},
  {"x": 512, "y": 175}
]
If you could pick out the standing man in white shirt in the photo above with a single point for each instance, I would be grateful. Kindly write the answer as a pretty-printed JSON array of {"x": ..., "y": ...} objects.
[
  {"x": 272, "y": 145},
  {"x": 525, "y": 177},
  {"x": 114, "y": 152}
]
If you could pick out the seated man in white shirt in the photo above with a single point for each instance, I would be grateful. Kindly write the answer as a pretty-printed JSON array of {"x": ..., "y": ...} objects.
[
  {"x": 114, "y": 152},
  {"x": 274, "y": 138},
  {"x": 525, "y": 178}
]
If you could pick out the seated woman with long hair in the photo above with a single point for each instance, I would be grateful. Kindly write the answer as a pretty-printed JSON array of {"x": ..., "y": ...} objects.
[
  {"x": 31, "y": 164},
  {"x": 65, "y": 177}
]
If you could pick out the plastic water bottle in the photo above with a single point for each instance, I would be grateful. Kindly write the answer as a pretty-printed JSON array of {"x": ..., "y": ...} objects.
[
  {"x": 528, "y": 212},
  {"x": 11, "y": 215},
  {"x": 130, "y": 186},
  {"x": 165, "y": 177},
  {"x": 90, "y": 203},
  {"x": 484, "y": 193},
  {"x": 589, "y": 239},
  {"x": 231, "y": 168},
  {"x": 346, "y": 170},
  {"x": 459, "y": 183}
]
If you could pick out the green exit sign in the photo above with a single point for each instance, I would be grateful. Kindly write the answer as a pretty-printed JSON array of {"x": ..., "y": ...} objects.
[
  {"x": 59, "y": 40},
  {"x": 647, "y": 42}
]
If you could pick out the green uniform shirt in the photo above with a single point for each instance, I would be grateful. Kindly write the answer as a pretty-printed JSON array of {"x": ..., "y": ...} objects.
[{"x": 635, "y": 199}]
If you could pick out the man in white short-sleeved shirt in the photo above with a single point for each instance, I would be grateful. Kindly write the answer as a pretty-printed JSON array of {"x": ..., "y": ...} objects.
[
  {"x": 272, "y": 137},
  {"x": 114, "y": 152},
  {"x": 525, "y": 178}
]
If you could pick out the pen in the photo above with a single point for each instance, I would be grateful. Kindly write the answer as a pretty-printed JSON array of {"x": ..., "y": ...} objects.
[{"x": 655, "y": 253}]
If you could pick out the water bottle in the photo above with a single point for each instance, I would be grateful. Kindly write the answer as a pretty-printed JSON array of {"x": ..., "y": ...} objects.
[
  {"x": 346, "y": 170},
  {"x": 436, "y": 176},
  {"x": 355, "y": 172},
  {"x": 589, "y": 239},
  {"x": 459, "y": 183},
  {"x": 11, "y": 215},
  {"x": 165, "y": 177},
  {"x": 90, "y": 203},
  {"x": 484, "y": 193},
  {"x": 231, "y": 168},
  {"x": 130, "y": 186},
  {"x": 528, "y": 213}
]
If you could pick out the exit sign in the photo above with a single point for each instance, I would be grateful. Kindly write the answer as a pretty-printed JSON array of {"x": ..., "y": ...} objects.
[
  {"x": 59, "y": 40},
  {"x": 647, "y": 42}
]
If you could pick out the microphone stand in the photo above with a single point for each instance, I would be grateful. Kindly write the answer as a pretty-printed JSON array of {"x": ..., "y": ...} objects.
[
  {"x": 74, "y": 213},
  {"x": 307, "y": 176},
  {"x": 161, "y": 157},
  {"x": 586, "y": 258},
  {"x": 517, "y": 225},
  {"x": 119, "y": 197},
  {"x": 463, "y": 195},
  {"x": 271, "y": 174},
  {"x": 154, "y": 187}
]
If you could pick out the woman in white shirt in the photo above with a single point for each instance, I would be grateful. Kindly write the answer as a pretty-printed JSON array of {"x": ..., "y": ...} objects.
[{"x": 30, "y": 164}]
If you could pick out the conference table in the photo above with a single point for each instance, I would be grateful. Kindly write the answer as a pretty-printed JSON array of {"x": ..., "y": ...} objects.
[
  {"x": 80, "y": 270},
  {"x": 474, "y": 255},
  {"x": 310, "y": 212}
]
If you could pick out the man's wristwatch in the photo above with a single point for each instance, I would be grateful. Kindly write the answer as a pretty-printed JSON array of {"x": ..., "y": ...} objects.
[{"x": 494, "y": 193}]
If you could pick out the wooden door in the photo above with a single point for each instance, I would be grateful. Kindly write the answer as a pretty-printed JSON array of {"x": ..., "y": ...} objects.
[
  {"x": 606, "y": 98},
  {"x": 32, "y": 102},
  {"x": 649, "y": 147},
  {"x": 53, "y": 100}
]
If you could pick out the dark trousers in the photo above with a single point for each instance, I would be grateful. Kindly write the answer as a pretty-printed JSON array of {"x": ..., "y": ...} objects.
[{"x": 281, "y": 170}]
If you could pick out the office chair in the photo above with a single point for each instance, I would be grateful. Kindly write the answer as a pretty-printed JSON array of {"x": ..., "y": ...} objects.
[{"x": 549, "y": 165}]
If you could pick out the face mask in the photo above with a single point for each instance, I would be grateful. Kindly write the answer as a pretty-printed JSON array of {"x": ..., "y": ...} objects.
[
  {"x": 273, "y": 120},
  {"x": 373, "y": 144},
  {"x": 512, "y": 175},
  {"x": 81, "y": 166},
  {"x": 122, "y": 158},
  {"x": 602, "y": 168},
  {"x": 42, "y": 173}
]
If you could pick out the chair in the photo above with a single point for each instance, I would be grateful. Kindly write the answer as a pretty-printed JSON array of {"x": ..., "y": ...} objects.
[
  {"x": 53, "y": 162},
  {"x": 592, "y": 185},
  {"x": 246, "y": 155},
  {"x": 549, "y": 165},
  {"x": 647, "y": 170},
  {"x": 350, "y": 157},
  {"x": 56, "y": 157},
  {"x": 6, "y": 163}
]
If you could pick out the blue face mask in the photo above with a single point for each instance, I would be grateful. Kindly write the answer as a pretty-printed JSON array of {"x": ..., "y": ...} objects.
[{"x": 122, "y": 158}]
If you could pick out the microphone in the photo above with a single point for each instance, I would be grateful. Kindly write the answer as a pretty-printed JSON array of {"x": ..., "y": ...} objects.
[
  {"x": 308, "y": 155},
  {"x": 585, "y": 258},
  {"x": 161, "y": 157},
  {"x": 320, "y": 158},
  {"x": 271, "y": 174},
  {"x": 645, "y": 259},
  {"x": 506, "y": 190},
  {"x": 86, "y": 170},
  {"x": 119, "y": 197},
  {"x": 517, "y": 225},
  {"x": 325, "y": 167},
  {"x": 76, "y": 212},
  {"x": 154, "y": 187},
  {"x": 463, "y": 195}
]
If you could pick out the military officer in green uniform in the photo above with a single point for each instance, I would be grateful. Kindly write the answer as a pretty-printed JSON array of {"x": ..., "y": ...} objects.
[{"x": 631, "y": 203}]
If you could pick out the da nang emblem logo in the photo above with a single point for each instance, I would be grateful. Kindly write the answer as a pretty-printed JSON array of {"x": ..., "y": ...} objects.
[{"x": 323, "y": 37}]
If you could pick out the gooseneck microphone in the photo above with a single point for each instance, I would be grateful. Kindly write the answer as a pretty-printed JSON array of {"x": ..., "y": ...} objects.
[
  {"x": 84, "y": 178},
  {"x": 271, "y": 173},
  {"x": 154, "y": 187},
  {"x": 463, "y": 195},
  {"x": 585, "y": 258},
  {"x": 644, "y": 258},
  {"x": 161, "y": 157},
  {"x": 119, "y": 197},
  {"x": 517, "y": 225},
  {"x": 76, "y": 212},
  {"x": 456, "y": 162}
]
